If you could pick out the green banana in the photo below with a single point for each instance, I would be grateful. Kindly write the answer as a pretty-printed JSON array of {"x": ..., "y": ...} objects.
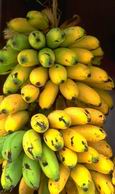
[
  {"x": 2, "y": 140},
  {"x": 46, "y": 57},
  {"x": 43, "y": 188}
]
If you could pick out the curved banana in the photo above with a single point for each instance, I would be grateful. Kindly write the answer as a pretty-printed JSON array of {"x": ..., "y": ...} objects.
[
  {"x": 24, "y": 188},
  {"x": 46, "y": 57},
  {"x": 37, "y": 39}
]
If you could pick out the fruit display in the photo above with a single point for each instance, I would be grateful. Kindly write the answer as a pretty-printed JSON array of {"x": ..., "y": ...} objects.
[{"x": 53, "y": 108}]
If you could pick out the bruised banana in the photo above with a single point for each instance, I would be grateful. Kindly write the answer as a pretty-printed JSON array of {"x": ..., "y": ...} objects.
[
  {"x": 32, "y": 144},
  {"x": 31, "y": 172},
  {"x": 91, "y": 189},
  {"x": 24, "y": 188},
  {"x": 43, "y": 187},
  {"x": 70, "y": 187}
]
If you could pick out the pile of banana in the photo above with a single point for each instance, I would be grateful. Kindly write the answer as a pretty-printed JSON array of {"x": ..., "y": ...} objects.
[{"x": 53, "y": 109}]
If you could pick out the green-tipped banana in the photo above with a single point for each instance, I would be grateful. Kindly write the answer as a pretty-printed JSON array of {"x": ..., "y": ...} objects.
[
  {"x": 12, "y": 146},
  {"x": 46, "y": 57},
  {"x": 49, "y": 163},
  {"x": 37, "y": 39},
  {"x": 32, "y": 144},
  {"x": 54, "y": 37},
  {"x": 31, "y": 172}
]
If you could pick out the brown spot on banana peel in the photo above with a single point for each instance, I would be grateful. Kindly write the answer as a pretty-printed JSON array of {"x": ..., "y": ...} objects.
[
  {"x": 38, "y": 84},
  {"x": 41, "y": 125},
  {"x": 30, "y": 150},
  {"x": 44, "y": 163},
  {"x": 94, "y": 160},
  {"x": 27, "y": 166},
  {"x": 88, "y": 116},
  {"x": 86, "y": 147},
  {"x": 9, "y": 178},
  {"x": 72, "y": 143},
  {"x": 67, "y": 124},
  {"x": 9, "y": 156}
]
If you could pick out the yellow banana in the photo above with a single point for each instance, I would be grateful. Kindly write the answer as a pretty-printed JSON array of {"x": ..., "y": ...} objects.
[
  {"x": 39, "y": 76},
  {"x": 70, "y": 187},
  {"x": 52, "y": 89},
  {"x": 102, "y": 147},
  {"x": 58, "y": 74},
  {"x": 104, "y": 165},
  {"x": 39, "y": 123},
  {"x": 90, "y": 132},
  {"x": 88, "y": 95},
  {"x": 59, "y": 119},
  {"x": 104, "y": 108},
  {"x": 91, "y": 189},
  {"x": 64, "y": 157},
  {"x": 103, "y": 183},
  {"x": 56, "y": 187},
  {"x": 24, "y": 188},
  {"x": 74, "y": 140},
  {"x": 3, "y": 118},
  {"x": 78, "y": 115},
  {"x": 78, "y": 72},
  {"x": 60, "y": 103},
  {"x": 98, "y": 52},
  {"x": 69, "y": 89}
]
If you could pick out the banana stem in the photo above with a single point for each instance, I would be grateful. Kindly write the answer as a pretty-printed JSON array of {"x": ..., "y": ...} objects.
[{"x": 54, "y": 10}]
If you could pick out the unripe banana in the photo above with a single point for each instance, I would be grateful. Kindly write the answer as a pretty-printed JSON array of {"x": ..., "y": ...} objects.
[
  {"x": 24, "y": 188},
  {"x": 31, "y": 172},
  {"x": 57, "y": 186},
  {"x": 3, "y": 118},
  {"x": 2, "y": 140},
  {"x": 74, "y": 140},
  {"x": 32, "y": 144},
  {"x": 102, "y": 147},
  {"x": 103, "y": 183},
  {"x": 39, "y": 76},
  {"x": 65, "y": 56},
  {"x": 64, "y": 157},
  {"x": 37, "y": 39},
  {"x": 78, "y": 72},
  {"x": 58, "y": 74},
  {"x": 90, "y": 132},
  {"x": 60, "y": 103},
  {"x": 39, "y": 123},
  {"x": 52, "y": 89},
  {"x": 46, "y": 57},
  {"x": 16, "y": 121},
  {"x": 69, "y": 89},
  {"x": 81, "y": 176},
  {"x": 98, "y": 52},
  {"x": 88, "y": 94},
  {"x": 104, "y": 165},
  {"x": 91, "y": 189},
  {"x": 59, "y": 119},
  {"x": 70, "y": 187},
  {"x": 13, "y": 103},
  {"x": 43, "y": 188},
  {"x": 49, "y": 163},
  {"x": 54, "y": 139},
  {"x": 78, "y": 115}
]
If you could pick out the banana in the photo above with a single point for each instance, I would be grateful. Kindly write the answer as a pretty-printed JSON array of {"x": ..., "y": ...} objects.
[
  {"x": 104, "y": 165},
  {"x": 87, "y": 42},
  {"x": 88, "y": 95},
  {"x": 102, "y": 147},
  {"x": 78, "y": 115},
  {"x": 58, "y": 74},
  {"x": 54, "y": 139},
  {"x": 3, "y": 118},
  {"x": 74, "y": 140},
  {"x": 102, "y": 182},
  {"x": 90, "y": 132},
  {"x": 91, "y": 189},
  {"x": 38, "y": 76},
  {"x": 69, "y": 89},
  {"x": 55, "y": 37},
  {"x": 64, "y": 157},
  {"x": 31, "y": 172},
  {"x": 39, "y": 123},
  {"x": 91, "y": 156},
  {"x": 50, "y": 88},
  {"x": 37, "y": 39},
  {"x": 78, "y": 72},
  {"x": 32, "y": 144},
  {"x": 49, "y": 163},
  {"x": 14, "y": 24},
  {"x": 11, "y": 173},
  {"x": 83, "y": 55},
  {"x": 81, "y": 176},
  {"x": 65, "y": 56},
  {"x": 2, "y": 140},
  {"x": 104, "y": 108},
  {"x": 72, "y": 34},
  {"x": 13, "y": 103},
  {"x": 60, "y": 103},
  {"x": 12, "y": 147},
  {"x": 43, "y": 188},
  {"x": 98, "y": 52},
  {"x": 24, "y": 188},
  {"x": 59, "y": 119},
  {"x": 46, "y": 57},
  {"x": 57, "y": 186},
  {"x": 30, "y": 93},
  {"x": 97, "y": 117},
  {"x": 70, "y": 187},
  {"x": 16, "y": 121}
]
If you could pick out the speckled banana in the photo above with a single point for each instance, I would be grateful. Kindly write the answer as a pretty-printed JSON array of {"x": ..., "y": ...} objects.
[
  {"x": 43, "y": 188},
  {"x": 70, "y": 187},
  {"x": 64, "y": 157},
  {"x": 32, "y": 144},
  {"x": 31, "y": 172},
  {"x": 24, "y": 188},
  {"x": 59, "y": 119},
  {"x": 91, "y": 189},
  {"x": 13, "y": 103},
  {"x": 46, "y": 57},
  {"x": 52, "y": 89},
  {"x": 12, "y": 147},
  {"x": 57, "y": 186}
]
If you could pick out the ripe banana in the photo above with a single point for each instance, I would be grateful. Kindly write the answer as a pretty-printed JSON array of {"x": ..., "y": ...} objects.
[
  {"x": 91, "y": 189},
  {"x": 46, "y": 57},
  {"x": 59, "y": 119},
  {"x": 104, "y": 108},
  {"x": 3, "y": 118},
  {"x": 24, "y": 188},
  {"x": 43, "y": 188},
  {"x": 37, "y": 39},
  {"x": 52, "y": 89},
  {"x": 70, "y": 187},
  {"x": 32, "y": 144}
]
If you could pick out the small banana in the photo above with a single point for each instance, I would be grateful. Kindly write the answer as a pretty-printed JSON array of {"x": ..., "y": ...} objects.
[
  {"x": 24, "y": 188},
  {"x": 46, "y": 57},
  {"x": 37, "y": 39},
  {"x": 59, "y": 119},
  {"x": 43, "y": 188},
  {"x": 32, "y": 144},
  {"x": 71, "y": 187},
  {"x": 91, "y": 189}
]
